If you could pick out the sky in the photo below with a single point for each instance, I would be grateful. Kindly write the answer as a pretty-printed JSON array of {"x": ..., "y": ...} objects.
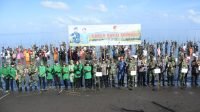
[{"x": 45, "y": 21}]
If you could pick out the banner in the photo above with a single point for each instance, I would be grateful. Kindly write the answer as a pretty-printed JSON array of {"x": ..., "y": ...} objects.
[{"x": 99, "y": 35}]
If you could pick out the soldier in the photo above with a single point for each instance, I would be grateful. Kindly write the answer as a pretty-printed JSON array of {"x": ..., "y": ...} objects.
[
  {"x": 104, "y": 74},
  {"x": 71, "y": 73},
  {"x": 78, "y": 69},
  {"x": 108, "y": 73},
  {"x": 49, "y": 76},
  {"x": 195, "y": 72},
  {"x": 182, "y": 75},
  {"x": 33, "y": 76},
  {"x": 113, "y": 73},
  {"x": 131, "y": 78},
  {"x": 57, "y": 70},
  {"x": 96, "y": 79},
  {"x": 151, "y": 74},
  {"x": 20, "y": 78},
  {"x": 42, "y": 76},
  {"x": 170, "y": 71},
  {"x": 66, "y": 79}
]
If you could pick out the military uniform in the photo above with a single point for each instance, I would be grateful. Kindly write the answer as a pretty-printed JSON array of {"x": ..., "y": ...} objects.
[
  {"x": 131, "y": 78},
  {"x": 33, "y": 76},
  {"x": 20, "y": 79},
  {"x": 182, "y": 75},
  {"x": 113, "y": 74},
  {"x": 151, "y": 74},
  {"x": 170, "y": 71}
]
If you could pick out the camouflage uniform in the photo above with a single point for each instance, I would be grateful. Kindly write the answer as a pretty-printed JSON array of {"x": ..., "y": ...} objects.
[
  {"x": 151, "y": 74},
  {"x": 182, "y": 75},
  {"x": 170, "y": 71},
  {"x": 20, "y": 77},
  {"x": 113, "y": 73},
  {"x": 33, "y": 76},
  {"x": 131, "y": 78}
]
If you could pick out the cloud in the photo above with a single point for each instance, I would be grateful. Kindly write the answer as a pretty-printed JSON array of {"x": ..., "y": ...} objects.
[
  {"x": 122, "y": 6},
  {"x": 194, "y": 16},
  {"x": 55, "y": 5},
  {"x": 100, "y": 8},
  {"x": 69, "y": 20}
]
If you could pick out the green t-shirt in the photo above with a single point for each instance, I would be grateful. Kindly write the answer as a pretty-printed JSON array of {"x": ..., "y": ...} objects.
[
  {"x": 57, "y": 70},
  {"x": 13, "y": 72},
  {"x": 66, "y": 72},
  {"x": 6, "y": 71},
  {"x": 49, "y": 73},
  {"x": 78, "y": 68},
  {"x": 87, "y": 72},
  {"x": 0, "y": 72},
  {"x": 42, "y": 71}
]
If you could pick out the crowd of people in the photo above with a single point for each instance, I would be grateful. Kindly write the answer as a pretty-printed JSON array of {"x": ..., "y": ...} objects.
[{"x": 46, "y": 67}]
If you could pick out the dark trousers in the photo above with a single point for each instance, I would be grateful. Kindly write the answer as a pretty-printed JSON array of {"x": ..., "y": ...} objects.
[
  {"x": 141, "y": 78},
  {"x": 130, "y": 80},
  {"x": 1, "y": 84},
  {"x": 105, "y": 80},
  {"x": 66, "y": 83},
  {"x": 57, "y": 81},
  {"x": 42, "y": 82},
  {"x": 49, "y": 82},
  {"x": 162, "y": 78},
  {"x": 88, "y": 83},
  {"x": 170, "y": 79},
  {"x": 9, "y": 82},
  {"x": 120, "y": 78},
  {"x": 77, "y": 82},
  {"x": 194, "y": 78}
]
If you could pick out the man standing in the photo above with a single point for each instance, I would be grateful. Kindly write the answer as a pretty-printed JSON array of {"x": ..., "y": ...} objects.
[
  {"x": 113, "y": 73},
  {"x": 88, "y": 75},
  {"x": 42, "y": 76},
  {"x": 6, "y": 75},
  {"x": 78, "y": 69},
  {"x": 71, "y": 73},
  {"x": 195, "y": 72},
  {"x": 49, "y": 76},
  {"x": 104, "y": 73},
  {"x": 20, "y": 79},
  {"x": 33, "y": 76},
  {"x": 170, "y": 71},
  {"x": 66, "y": 78},
  {"x": 151, "y": 74},
  {"x": 121, "y": 72},
  {"x": 13, "y": 73},
  {"x": 57, "y": 70},
  {"x": 131, "y": 77},
  {"x": 1, "y": 88}
]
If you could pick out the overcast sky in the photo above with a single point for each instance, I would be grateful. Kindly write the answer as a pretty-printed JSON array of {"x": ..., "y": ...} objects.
[{"x": 46, "y": 21}]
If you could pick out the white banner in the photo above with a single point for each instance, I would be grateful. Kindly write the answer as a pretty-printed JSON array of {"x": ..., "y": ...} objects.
[{"x": 97, "y": 35}]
